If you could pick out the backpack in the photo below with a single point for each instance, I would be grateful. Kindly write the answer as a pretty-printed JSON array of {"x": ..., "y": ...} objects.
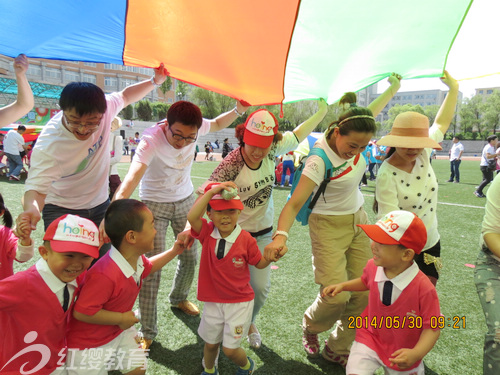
[{"x": 304, "y": 212}]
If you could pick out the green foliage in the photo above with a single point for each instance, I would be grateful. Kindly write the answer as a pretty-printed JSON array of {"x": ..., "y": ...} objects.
[
  {"x": 160, "y": 110},
  {"x": 491, "y": 113},
  {"x": 181, "y": 90},
  {"x": 127, "y": 113},
  {"x": 211, "y": 104},
  {"x": 144, "y": 110},
  {"x": 166, "y": 86},
  {"x": 396, "y": 110}
]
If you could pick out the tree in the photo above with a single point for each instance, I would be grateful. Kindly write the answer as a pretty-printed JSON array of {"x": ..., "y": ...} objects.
[
  {"x": 144, "y": 110},
  {"x": 166, "y": 86},
  {"x": 181, "y": 90},
  {"x": 127, "y": 113},
  {"x": 470, "y": 111},
  {"x": 491, "y": 113},
  {"x": 160, "y": 110},
  {"x": 212, "y": 104}
]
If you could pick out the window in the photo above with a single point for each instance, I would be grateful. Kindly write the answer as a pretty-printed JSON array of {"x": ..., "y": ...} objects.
[
  {"x": 34, "y": 70},
  {"x": 90, "y": 78},
  {"x": 489, "y": 92},
  {"x": 481, "y": 92},
  {"x": 90, "y": 64},
  {"x": 70, "y": 76},
  {"x": 110, "y": 81},
  {"x": 108, "y": 66},
  {"x": 126, "y": 82},
  {"x": 52, "y": 73}
]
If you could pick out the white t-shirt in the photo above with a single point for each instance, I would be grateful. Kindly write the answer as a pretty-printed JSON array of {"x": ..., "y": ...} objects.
[
  {"x": 342, "y": 196},
  {"x": 13, "y": 142},
  {"x": 168, "y": 177},
  {"x": 73, "y": 173},
  {"x": 488, "y": 149},
  {"x": 115, "y": 148},
  {"x": 455, "y": 150},
  {"x": 416, "y": 192},
  {"x": 255, "y": 186}
]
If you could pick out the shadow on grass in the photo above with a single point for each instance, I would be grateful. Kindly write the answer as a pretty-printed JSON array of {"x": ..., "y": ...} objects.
[{"x": 274, "y": 364}]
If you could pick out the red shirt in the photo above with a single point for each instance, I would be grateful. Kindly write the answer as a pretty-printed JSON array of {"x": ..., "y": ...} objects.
[
  {"x": 28, "y": 305},
  {"x": 418, "y": 300},
  {"x": 8, "y": 247},
  {"x": 105, "y": 287},
  {"x": 226, "y": 280}
]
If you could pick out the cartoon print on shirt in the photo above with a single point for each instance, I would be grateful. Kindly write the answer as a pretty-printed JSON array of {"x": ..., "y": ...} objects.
[
  {"x": 85, "y": 162},
  {"x": 260, "y": 198}
]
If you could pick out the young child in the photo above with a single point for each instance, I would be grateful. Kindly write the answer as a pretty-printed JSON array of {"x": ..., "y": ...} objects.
[
  {"x": 10, "y": 247},
  {"x": 224, "y": 278},
  {"x": 103, "y": 316},
  {"x": 398, "y": 327},
  {"x": 35, "y": 304}
]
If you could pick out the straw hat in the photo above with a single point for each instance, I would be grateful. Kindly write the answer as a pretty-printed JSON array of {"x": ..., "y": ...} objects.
[{"x": 410, "y": 130}]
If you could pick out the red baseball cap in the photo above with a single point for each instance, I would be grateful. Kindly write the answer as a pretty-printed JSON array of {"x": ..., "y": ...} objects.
[
  {"x": 218, "y": 203},
  {"x": 72, "y": 233},
  {"x": 260, "y": 128},
  {"x": 398, "y": 228}
]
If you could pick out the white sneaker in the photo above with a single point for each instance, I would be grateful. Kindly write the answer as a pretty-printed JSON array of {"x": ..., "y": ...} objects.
[{"x": 255, "y": 340}]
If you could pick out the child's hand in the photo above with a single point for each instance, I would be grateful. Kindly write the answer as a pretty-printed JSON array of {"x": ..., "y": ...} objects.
[
  {"x": 275, "y": 250},
  {"x": 23, "y": 230},
  {"x": 178, "y": 247},
  {"x": 128, "y": 320},
  {"x": 332, "y": 290},
  {"x": 404, "y": 358}
]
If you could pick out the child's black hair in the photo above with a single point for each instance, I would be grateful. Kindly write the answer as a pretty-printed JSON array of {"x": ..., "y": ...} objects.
[
  {"x": 122, "y": 216},
  {"x": 7, "y": 217}
]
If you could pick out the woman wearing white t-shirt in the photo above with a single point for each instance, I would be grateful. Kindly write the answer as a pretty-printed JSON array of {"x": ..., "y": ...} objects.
[{"x": 251, "y": 167}]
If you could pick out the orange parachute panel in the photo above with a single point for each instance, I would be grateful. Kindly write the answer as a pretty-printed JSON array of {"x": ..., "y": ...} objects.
[{"x": 210, "y": 43}]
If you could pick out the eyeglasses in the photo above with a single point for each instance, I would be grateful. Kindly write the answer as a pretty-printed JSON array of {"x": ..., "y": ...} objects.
[
  {"x": 179, "y": 137},
  {"x": 76, "y": 125}
]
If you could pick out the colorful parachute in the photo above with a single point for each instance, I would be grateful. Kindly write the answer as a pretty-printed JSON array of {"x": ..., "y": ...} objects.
[{"x": 263, "y": 51}]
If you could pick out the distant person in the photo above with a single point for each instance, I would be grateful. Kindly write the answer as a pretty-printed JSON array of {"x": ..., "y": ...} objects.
[
  {"x": 13, "y": 143},
  {"x": 208, "y": 149},
  {"x": 196, "y": 150},
  {"x": 70, "y": 165},
  {"x": 288, "y": 167},
  {"x": 115, "y": 144},
  {"x": 25, "y": 101},
  {"x": 226, "y": 148},
  {"x": 133, "y": 145},
  {"x": 457, "y": 149},
  {"x": 487, "y": 165},
  {"x": 217, "y": 143},
  {"x": 224, "y": 279},
  {"x": 103, "y": 316},
  {"x": 125, "y": 146},
  {"x": 399, "y": 291},
  {"x": 36, "y": 304}
]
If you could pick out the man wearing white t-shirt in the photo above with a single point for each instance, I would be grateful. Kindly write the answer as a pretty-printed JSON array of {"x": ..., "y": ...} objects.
[
  {"x": 70, "y": 162},
  {"x": 162, "y": 165},
  {"x": 13, "y": 143},
  {"x": 455, "y": 159}
]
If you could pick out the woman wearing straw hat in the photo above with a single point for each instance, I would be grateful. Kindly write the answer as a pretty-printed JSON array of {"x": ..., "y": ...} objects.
[
  {"x": 406, "y": 180},
  {"x": 251, "y": 168}
]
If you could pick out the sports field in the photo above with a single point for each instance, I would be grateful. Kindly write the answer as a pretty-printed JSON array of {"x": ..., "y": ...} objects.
[{"x": 178, "y": 349}]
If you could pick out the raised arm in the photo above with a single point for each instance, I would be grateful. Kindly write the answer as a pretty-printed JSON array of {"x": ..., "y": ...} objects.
[
  {"x": 136, "y": 92},
  {"x": 381, "y": 101},
  {"x": 447, "y": 110},
  {"x": 304, "y": 129},
  {"x": 25, "y": 100},
  {"x": 224, "y": 120}
]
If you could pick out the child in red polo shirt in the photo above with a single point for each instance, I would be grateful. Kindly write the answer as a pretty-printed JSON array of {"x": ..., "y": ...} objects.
[
  {"x": 35, "y": 305},
  {"x": 399, "y": 325},
  {"x": 101, "y": 336},
  {"x": 224, "y": 278}
]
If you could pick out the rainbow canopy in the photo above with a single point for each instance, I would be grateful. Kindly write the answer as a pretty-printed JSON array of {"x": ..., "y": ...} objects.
[{"x": 263, "y": 51}]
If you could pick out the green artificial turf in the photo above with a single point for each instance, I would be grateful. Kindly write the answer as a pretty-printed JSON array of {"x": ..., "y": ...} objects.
[{"x": 178, "y": 349}]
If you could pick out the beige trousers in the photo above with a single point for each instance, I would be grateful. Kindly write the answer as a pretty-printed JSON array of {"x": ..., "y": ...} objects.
[{"x": 340, "y": 251}]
